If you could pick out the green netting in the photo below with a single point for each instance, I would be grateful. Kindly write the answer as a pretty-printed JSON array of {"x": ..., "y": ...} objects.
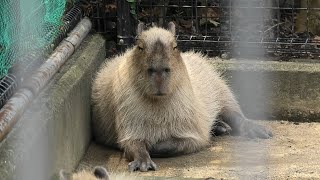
[{"x": 25, "y": 26}]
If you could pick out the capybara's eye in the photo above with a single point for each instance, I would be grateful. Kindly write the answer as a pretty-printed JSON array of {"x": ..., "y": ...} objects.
[
  {"x": 151, "y": 70},
  {"x": 175, "y": 47}
]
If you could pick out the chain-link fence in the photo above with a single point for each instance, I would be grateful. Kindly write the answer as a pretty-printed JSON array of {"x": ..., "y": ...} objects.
[
  {"x": 29, "y": 31},
  {"x": 282, "y": 29}
]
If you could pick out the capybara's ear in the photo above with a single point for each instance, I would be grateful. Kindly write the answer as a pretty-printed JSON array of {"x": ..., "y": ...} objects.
[
  {"x": 101, "y": 173},
  {"x": 172, "y": 28},
  {"x": 140, "y": 28}
]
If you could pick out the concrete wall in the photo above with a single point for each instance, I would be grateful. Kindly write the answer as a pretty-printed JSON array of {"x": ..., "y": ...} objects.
[
  {"x": 275, "y": 90},
  {"x": 55, "y": 131}
]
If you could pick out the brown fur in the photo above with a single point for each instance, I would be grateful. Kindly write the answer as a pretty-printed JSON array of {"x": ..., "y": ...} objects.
[{"x": 130, "y": 113}]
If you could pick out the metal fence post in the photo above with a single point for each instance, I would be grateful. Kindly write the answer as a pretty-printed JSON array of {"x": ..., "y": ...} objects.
[{"x": 125, "y": 25}]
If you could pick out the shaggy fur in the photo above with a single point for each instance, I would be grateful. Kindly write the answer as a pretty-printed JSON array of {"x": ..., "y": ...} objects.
[
  {"x": 99, "y": 173},
  {"x": 129, "y": 112}
]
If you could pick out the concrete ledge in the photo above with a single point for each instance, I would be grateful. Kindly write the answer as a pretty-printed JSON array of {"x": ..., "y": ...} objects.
[
  {"x": 275, "y": 90},
  {"x": 54, "y": 132}
]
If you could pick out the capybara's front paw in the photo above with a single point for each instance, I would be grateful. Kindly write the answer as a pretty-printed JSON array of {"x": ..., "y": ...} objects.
[{"x": 142, "y": 165}]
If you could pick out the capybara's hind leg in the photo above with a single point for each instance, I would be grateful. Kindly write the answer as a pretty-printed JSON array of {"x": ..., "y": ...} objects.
[{"x": 240, "y": 125}]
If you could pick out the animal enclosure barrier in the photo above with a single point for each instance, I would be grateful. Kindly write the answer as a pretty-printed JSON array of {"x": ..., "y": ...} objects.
[
  {"x": 278, "y": 29},
  {"x": 29, "y": 31}
]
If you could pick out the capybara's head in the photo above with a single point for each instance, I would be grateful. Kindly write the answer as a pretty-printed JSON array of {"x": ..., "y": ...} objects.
[
  {"x": 157, "y": 60},
  {"x": 99, "y": 173}
]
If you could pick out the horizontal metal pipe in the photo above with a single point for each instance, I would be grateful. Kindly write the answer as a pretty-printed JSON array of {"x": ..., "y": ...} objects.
[{"x": 16, "y": 105}]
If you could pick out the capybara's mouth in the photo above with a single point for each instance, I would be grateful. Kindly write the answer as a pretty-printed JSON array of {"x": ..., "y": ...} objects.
[{"x": 159, "y": 94}]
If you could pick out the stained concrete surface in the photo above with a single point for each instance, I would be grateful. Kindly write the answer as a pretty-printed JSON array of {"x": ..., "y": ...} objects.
[
  {"x": 293, "y": 153},
  {"x": 274, "y": 90}
]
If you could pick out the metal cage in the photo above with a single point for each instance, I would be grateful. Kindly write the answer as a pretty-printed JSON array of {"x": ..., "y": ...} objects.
[
  {"x": 8, "y": 86},
  {"x": 273, "y": 28},
  {"x": 27, "y": 63}
]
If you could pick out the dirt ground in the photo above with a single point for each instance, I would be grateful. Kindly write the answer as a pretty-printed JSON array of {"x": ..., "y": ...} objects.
[{"x": 293, "y": 153}]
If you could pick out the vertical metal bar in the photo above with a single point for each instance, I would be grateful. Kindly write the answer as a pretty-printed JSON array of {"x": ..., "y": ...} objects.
[
  {"x": 206, "y": 17},
  {"x": 125, "y": 29},
  {"x": 98, "y": 17},
  {"x": 162, "y": 14},
  {"x": 278, "y": 17},
  {"x": 104, "y": 19},
  {"x": 308, "y": 14},
  {"x": 194, "y": 18},
  {"x": 292, "y": 16},
  {"x": 230, "y": 19},
  {"x": 179, "y": 7},
  {"x": 195, "y": 5}
]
